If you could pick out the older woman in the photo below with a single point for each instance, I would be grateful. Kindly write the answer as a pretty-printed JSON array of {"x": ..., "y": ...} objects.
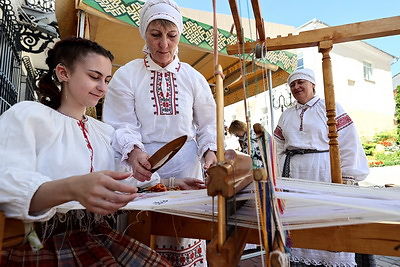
[
  {"x": 154, "y": 100},
  {"x": 303, "y": 152}
]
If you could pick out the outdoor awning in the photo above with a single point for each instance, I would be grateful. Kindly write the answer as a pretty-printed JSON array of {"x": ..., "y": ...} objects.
[{"x": 114, "y": 24}]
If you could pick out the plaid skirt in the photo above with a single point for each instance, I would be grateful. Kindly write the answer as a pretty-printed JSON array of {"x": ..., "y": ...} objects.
[{"x": 102, "y": 246}]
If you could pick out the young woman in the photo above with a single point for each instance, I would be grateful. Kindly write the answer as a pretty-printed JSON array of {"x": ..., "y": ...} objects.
[{"x": 52, "y": 153}]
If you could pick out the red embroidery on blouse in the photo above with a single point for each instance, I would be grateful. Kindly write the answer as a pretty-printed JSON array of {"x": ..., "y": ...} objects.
[
  {"x": 343, "y": 121},
  {"x": 81, "y": 125},
  {"x": 164, "y": 104},
  {"x": 278, "y": 133},
  {"x": 301, "y": 118},
  {"x": 179, "y": 67},
  {"x": 302, "y": 114}
]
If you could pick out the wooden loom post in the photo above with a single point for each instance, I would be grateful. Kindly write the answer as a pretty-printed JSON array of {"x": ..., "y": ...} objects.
[
  {"x": 220, "y": 153},
  {"x": 336, "y": 171}
]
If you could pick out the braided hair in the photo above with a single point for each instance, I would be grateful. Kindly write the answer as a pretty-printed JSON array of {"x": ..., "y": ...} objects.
[{"x": 68, "y": 52}]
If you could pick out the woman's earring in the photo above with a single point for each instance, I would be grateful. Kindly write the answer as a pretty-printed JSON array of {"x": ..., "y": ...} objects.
[{"x": 56, "y": 81}]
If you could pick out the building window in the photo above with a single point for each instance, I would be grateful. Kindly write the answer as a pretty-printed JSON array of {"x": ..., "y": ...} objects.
[
  {"x": 300, "y": 61},
  {"x": 368, "y": 71}
]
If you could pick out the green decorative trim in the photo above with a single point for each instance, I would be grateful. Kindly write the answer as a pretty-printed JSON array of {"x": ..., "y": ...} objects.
[{"x": 194, "y": 32}]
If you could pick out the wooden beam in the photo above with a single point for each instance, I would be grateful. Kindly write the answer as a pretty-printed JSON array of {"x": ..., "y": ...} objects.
[
  {"x": 336, "y": 170},
  {"x": 230, "y": 253},
  {"x": 256, "y": 83},
  {"x": 13, "y": 234},
  {"x": 372, "y": 238},
  {"x": 337, "y": 34},
  {"x": 259, "y": 20},
  {"x": 2, "y": 222},
  {"x": 236, "y": 20}
]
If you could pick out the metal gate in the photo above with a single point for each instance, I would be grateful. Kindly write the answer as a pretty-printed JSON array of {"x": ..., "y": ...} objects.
[{"x": 10, "y": 57}]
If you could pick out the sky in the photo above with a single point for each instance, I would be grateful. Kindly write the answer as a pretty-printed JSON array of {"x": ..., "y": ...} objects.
[{"x": 331, "y": 12}]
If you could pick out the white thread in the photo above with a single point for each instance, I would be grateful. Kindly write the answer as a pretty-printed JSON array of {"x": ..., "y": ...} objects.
[{"x": 171, "y": 182}]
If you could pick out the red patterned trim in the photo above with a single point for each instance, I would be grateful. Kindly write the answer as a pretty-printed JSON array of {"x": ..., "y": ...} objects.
[
  {"x": 185, "y": 257},
  {"x": 343, "y": 121},
  {"x": 146, "y": 63},
  {"x": 278, "y": 133},
  {"x": 81, "y": 125},
  {"x": 164, "y": 104},
  {"x": 301, "y": 118}
]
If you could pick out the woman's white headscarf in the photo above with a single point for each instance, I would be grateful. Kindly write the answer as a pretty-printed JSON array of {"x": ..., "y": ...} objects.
[{"x": 159, "y": 9}]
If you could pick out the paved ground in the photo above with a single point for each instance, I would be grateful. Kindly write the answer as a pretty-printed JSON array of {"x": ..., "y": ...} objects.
[
  {"x": 385, "y": 261},
  {"x": 382, "y": 175},
  {"x": 379, "y": 176},
  {"x": 381, "y": 261}
]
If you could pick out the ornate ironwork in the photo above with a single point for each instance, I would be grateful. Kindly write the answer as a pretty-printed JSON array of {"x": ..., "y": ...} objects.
[
  {"x": 33, "y": 41},
  {"x": 10, "y": 63},
  {"x": 38, "y": 26},
  {"x": 39, "y": 73},
  {"x": 43, "y": 5},
  {"x": 28, "y": 91},
  {"x": 284, "y": 100}
]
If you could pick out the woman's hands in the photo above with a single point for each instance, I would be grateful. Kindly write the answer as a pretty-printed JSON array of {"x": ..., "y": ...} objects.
[
  {"x": 99, "y": 192},
  {"x": 102, "y": 192},
  {"x": 138, "y": 159},
  {"x": 210, "y": 159},
  {"x": 186, "y": 183}
]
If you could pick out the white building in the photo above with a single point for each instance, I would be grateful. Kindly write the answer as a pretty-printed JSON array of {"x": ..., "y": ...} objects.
[
  {"x": 362, "y": 81},
  {"x": 396, "y": 80}
]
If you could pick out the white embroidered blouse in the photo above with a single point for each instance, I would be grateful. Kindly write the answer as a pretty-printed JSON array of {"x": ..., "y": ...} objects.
[
  {"x": 147, "y": 103},
  {"x": 304, "y": 127},
  {"x": 38, "y": 144}
]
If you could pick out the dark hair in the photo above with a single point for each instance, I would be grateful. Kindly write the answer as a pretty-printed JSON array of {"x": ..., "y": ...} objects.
[{"x": 68, "y": 52}]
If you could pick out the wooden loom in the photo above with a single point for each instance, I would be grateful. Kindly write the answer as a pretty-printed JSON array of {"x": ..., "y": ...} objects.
[
  {"x": 324, "y": 39},
  {"x": 375, "y": 238},
  {"x": 225, "y": 251}
]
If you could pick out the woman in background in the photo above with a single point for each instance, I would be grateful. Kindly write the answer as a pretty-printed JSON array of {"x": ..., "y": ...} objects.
[{"x": 303, "y": 153}]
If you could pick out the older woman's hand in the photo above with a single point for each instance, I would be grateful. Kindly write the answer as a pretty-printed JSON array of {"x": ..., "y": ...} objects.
[
  {"x": 189, "y": 183},
  {"x": 210, "y": 159},
  {"x": 138, "y": 159}
]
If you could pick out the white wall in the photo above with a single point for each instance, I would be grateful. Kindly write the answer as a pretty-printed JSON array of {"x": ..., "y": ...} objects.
[
  {"x": 396, "y": 81},
  {"x": 369, "y": 103}
]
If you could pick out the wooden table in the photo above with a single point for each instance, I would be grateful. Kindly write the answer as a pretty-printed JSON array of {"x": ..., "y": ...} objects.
[{"x": 371, "y": 238}]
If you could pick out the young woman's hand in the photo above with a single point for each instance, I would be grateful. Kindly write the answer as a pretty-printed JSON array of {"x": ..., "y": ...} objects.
[
  {"x": 102, "y": 192},
  {"x": 99, "y": 192}
]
